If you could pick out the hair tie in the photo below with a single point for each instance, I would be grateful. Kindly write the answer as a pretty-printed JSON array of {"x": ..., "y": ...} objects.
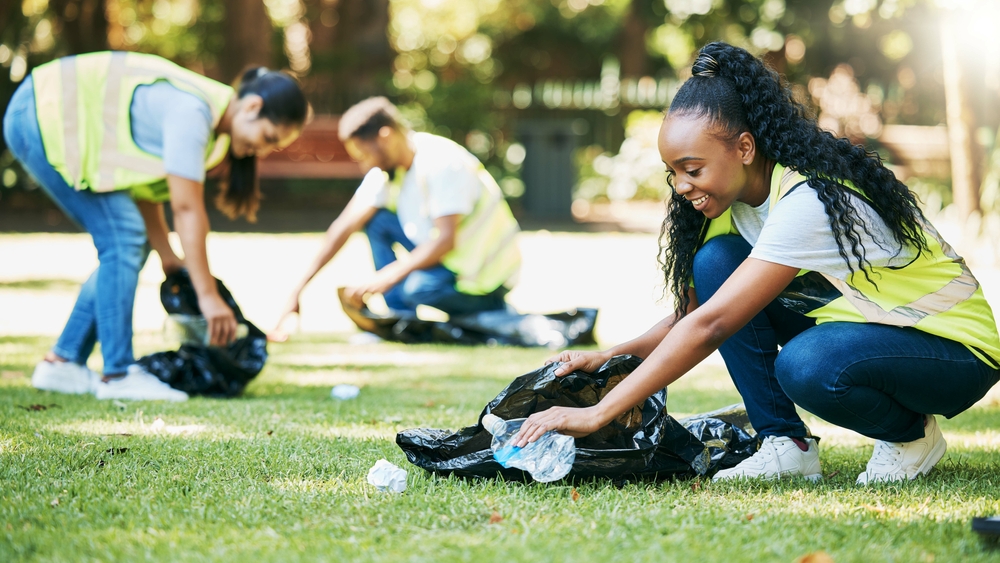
[{"x": 705, "y": 65}]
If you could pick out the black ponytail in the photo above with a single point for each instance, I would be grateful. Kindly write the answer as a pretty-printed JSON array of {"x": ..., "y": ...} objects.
[
  {"x": 738, "y": 93},
  {"x": 284, "y": 104}
]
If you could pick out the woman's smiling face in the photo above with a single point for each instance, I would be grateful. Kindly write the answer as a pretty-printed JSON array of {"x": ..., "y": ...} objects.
[{"x": 705, "y": 168}]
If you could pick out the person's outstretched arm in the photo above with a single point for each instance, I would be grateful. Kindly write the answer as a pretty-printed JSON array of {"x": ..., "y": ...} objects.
[
  {"x": 355, "y": 216},
  {"x": 751, "y": 287},
  {"x": 157, "y": 234},
  {"x": 423, "y": 256},
  {"x": 191, "y": 222}
]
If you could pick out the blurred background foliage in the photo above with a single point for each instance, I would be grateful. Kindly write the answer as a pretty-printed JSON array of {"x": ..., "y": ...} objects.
[{"x": 889, "y": 73}]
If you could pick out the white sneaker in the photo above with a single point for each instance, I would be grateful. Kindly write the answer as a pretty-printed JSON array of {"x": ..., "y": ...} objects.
[
  {"x": 139, "y": 385},
  {"x": 777, "y": 457},
  {"x": 64, "y": 377},
  {"x": 899, "y": 461}
]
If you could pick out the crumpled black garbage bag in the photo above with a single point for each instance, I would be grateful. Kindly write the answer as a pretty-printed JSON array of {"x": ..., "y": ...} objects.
[
  {"x": 206, "y": 370},
  {"x": 643, "y": 442},
  {"x": 495, "y": 328}
]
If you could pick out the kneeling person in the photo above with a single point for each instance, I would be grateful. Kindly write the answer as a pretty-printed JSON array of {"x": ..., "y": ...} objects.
[{"x": 435, "y": 199}]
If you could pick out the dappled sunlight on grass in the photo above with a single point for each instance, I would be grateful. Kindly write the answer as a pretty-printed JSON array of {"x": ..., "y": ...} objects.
[
  {"x": 156, "y": 427},
  {"x": 309, "y": 485}
]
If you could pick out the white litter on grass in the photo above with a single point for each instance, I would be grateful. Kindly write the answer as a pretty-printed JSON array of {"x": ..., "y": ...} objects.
[
  {"x": 364, "y": 339},
  {"x": 387, "y": 477},
  {"x": 344, "y": 391}
]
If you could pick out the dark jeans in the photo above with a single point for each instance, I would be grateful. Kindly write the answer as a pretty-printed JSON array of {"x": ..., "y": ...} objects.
[
  {"x": 434, "y": 286},
  {"x": 877, "y": 380}
]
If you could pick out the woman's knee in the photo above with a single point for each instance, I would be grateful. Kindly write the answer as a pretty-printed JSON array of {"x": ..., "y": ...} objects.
[{"x": 802, "y": 370}]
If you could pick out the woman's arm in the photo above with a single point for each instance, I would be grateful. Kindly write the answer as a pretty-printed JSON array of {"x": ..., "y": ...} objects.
[
  {"x": 156, "y": 232},
  {"x": 191, "y": 221},
  {"x": 641, "y": 346},
  {"x": 751, "y": 288}
]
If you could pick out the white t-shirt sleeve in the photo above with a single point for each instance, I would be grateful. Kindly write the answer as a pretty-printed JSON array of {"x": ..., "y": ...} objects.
[
  {"x": 453, "y": 189},
  {"x": 374, "y": 189},
  {"x": 797, "y": 233}
]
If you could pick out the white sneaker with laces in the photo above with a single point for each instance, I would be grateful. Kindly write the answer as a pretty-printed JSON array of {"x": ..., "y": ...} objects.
[
  {"x": 139, "y": 385},
  {"x": 64, "y": 377},
  {"x": 777, "y": 457},
  {"x": 899, "y": 461}
]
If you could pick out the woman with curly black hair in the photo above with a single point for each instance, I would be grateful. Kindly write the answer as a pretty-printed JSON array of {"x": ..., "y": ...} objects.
[{"x": 780, "y": 234}]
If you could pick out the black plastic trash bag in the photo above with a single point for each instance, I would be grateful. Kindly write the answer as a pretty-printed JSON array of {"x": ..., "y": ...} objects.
[
  {"x": 503, "y": 328},
  {"x": 206, "y": 370},
  {"x": 643, "y": 442}
]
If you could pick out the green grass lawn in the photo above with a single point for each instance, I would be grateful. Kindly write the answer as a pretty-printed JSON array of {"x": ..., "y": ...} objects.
[{"x": 279, "y": 475}]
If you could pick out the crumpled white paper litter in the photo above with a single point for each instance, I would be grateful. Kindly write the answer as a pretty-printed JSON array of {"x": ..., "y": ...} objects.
[
  {"x": 387, "y": 477},
  {"x": 344, "y": 391}
]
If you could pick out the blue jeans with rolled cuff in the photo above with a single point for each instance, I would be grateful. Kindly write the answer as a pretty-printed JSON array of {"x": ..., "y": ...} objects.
[
  {"x": 877, "y": 380},
  {"x": 103, "y": 310},
  {"x": 434, "y": 286}
]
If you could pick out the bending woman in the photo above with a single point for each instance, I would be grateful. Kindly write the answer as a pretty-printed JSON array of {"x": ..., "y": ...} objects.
[
  {"x": 109, "y": 137},
  {"x": 780, "y": 234}
]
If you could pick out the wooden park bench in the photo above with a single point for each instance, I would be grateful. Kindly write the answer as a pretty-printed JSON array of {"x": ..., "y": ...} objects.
[{"x": 316, "y": 154}]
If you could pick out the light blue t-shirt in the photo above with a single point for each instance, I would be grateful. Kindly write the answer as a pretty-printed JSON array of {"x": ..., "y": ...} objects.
[{"x": 174, "y": 125}]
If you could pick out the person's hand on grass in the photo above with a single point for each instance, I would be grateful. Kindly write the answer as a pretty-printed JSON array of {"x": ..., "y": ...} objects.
[
  {"x": 384, "y": 280},
  {"x": 573, "y": 360},
  {"x": 571, "y": 421}
]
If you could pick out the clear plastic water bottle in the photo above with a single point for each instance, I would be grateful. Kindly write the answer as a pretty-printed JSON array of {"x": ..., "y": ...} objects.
[
  {"x": 193, "y": 329},
  {"x": 548, "y": 458}
]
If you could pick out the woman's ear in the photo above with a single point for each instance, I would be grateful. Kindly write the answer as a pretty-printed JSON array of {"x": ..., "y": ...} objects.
[
  {"x": 746, "y": 145},
  {"x": 251, "y": 104}
]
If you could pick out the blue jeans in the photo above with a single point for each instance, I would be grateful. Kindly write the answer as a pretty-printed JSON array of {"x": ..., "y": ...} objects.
[
  {"x": 434, "y": 286},
  {"x": 877, "y": 380},
  {"x": 103, "y": 310}
]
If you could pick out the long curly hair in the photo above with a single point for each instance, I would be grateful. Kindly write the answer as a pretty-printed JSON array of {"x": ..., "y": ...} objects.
[{"x": 738, "y": 93}]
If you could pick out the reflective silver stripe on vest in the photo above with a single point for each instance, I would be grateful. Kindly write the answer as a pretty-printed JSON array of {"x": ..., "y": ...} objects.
[
  {"x": 485, "y": 215},
  {"x": 71, "y": 120},
  {"x": 110, "y": 158},
  {"x": 959, "y": 289}
]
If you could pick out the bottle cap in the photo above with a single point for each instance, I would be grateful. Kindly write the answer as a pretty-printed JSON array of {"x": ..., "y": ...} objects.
[{"x": 493, "y": 424}]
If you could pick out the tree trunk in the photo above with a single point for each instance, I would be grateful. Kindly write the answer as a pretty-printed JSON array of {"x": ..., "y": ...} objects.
[
  {"x": 351, "y": 54},
  {"x": 632, "y": 42},
  {"x": 84, "y": 24},
  {"x": 961, "y": 124},
  {"x": 247, "y": 38}
]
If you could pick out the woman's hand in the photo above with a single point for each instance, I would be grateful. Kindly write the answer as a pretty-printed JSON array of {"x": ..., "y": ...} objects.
[
  {"x": 575, "y": 360},
  {"x": 221, "y": 319},
  {"x": 573, "y": 422}
]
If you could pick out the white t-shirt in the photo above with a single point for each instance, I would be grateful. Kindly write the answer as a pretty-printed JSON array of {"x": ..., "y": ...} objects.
[
  {"x": 443, "y": 180},
  {"x": 797, "y": 233}
]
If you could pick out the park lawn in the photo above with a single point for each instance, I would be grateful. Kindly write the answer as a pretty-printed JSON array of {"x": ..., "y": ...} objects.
[{"x": 279, "y": 475}]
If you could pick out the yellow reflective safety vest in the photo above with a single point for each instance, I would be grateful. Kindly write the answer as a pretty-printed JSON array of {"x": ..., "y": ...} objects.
[
  {"x": 83, "y": 105},
  {"x": 486, "y": 255},
  {"x": 935, "y": 293}
]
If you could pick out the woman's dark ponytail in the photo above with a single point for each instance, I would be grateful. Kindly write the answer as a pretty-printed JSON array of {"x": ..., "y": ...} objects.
[
  {"x": 737, "y": 92},
  {"x": 284, "y": 104}
]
